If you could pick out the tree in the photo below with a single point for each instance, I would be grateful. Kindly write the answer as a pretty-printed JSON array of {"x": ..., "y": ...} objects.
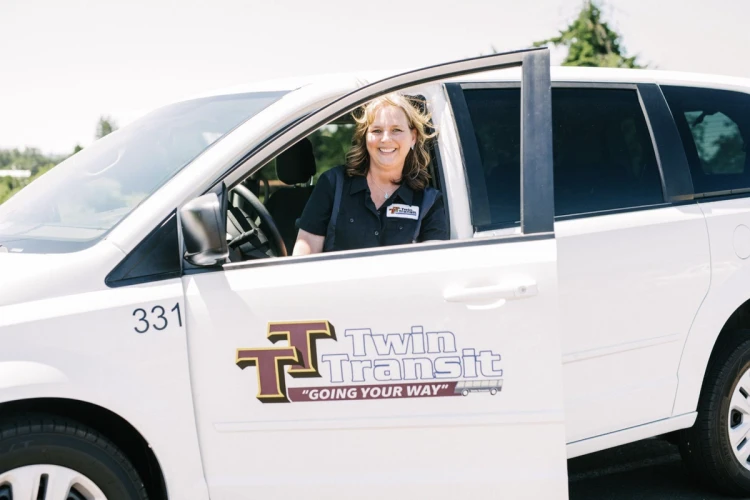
[
  {"x": 591, "y": 42},
  {"x": 105, "y": 126}
]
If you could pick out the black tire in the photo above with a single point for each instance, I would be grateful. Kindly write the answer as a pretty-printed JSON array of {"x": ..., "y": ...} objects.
[
  {"x": 705, "y": 448},
  {"x": 35, "y": 439}
]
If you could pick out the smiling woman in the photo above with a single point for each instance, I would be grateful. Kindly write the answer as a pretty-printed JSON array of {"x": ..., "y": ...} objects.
[
  {"x": 381, "y": 196},
  {"x": 76, "y": 203}
]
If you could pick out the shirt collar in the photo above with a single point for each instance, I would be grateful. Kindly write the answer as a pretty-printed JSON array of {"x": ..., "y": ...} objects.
[
  {"x": 405, "y": 193},
  {"x": 359, "y": 183}
]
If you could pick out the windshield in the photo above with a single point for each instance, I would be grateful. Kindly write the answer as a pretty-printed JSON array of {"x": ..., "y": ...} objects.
[{"x": 77, "y": 202}]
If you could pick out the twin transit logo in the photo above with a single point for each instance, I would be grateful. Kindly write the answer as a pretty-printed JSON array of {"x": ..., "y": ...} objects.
[
  {"x": 416, "y": 364},
  {"x": 403, "y": 211}
]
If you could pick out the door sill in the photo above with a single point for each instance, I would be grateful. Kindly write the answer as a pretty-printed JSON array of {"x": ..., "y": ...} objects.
[{"x": 630, "y": 435}]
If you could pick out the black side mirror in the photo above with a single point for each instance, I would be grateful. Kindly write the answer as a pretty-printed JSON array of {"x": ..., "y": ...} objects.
[{"x": 204, "y": 231}]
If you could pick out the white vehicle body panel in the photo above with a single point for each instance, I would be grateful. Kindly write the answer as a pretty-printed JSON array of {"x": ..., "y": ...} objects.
[
  {"x": 83, "y": 347},
  {"x": 728, "y": 222},
  {"x": 437, "y": 447},
  {"x": 630, "y": 285},
  {"x": 664, "y": 282}
]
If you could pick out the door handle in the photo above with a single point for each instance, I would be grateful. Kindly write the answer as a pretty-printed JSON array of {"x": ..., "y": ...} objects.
[{"x": 505, "y": 291}]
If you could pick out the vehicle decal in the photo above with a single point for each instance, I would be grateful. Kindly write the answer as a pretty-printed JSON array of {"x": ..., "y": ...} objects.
[
  {"x": 159, "y": 319},
  {"x": 416, "y": 364},
  {"x": 403, "y": 211}
]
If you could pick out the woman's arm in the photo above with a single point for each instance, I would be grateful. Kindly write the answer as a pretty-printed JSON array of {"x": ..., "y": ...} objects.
[
  {"x": 308, "y": 243},
  {"x": 313, "y": 223}
]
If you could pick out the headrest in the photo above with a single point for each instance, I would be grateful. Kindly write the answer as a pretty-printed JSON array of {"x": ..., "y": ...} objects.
[{"x": 297, "y": 164}]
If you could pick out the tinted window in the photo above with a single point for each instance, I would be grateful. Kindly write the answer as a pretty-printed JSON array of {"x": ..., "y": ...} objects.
[
  {"x": 715, "y": 130},
  {"x": 603, "y": 155}
]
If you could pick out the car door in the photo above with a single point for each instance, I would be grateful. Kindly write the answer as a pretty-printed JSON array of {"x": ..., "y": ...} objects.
[
  {"x": 633, "y": 256},
  {"x": 418, "y": 371}
]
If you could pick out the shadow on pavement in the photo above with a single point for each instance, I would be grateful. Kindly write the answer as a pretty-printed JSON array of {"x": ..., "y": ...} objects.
[{"x": 646, "y": 470}]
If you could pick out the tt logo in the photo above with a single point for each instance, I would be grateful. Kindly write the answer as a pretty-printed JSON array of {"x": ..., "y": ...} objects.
[{"x": 300, "y": 355}]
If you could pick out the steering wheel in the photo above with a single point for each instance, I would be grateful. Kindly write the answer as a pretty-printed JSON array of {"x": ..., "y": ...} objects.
[{"x": 267, "y": 226}]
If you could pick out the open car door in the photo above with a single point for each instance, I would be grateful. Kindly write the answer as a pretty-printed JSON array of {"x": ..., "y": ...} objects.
[{"x": 420, "y": 371}]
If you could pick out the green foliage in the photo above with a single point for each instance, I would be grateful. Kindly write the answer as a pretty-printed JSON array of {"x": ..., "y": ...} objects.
[
  {"x": 28, "y": 159},
  {"x": 330, "y": 144},
  {"x": 591, "y": 42},
  {"x": 105, "y": 126},
  {"x": 32, "y": 159},
  {"x": 11, "y": 185}
]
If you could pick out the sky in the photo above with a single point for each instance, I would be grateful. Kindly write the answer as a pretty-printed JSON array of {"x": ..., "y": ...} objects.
[{"x": 65, "y": 63}]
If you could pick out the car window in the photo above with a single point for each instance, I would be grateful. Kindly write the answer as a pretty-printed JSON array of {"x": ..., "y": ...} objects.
[
  {"x": 715, "y": 129},
  {"x": 603, "y": 155},
  {"x": 330, "y": 144},
  {"x": 73, "y": 205}
]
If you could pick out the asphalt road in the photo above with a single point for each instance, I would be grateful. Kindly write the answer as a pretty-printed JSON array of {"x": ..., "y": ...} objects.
[{"x": 646, "y": 470}]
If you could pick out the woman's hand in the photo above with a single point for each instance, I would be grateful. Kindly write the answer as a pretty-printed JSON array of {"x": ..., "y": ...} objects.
[{"x": 308, "y": 243}]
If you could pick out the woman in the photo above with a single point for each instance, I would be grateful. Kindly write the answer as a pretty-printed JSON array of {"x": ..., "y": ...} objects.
[{"x": 384, "y": 185}]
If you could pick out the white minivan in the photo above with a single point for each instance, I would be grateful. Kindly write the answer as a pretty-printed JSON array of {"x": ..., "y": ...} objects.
[{"x": 158, "y": 341}]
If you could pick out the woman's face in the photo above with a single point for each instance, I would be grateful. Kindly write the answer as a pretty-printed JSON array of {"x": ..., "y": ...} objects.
[{"x": 389, "y": 138}]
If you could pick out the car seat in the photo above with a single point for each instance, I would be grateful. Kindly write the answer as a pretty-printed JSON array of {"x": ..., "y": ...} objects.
[{"x": 294, "y": 167}]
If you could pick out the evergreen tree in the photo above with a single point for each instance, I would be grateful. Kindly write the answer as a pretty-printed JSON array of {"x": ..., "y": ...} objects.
[
  {"x": 591, "y": 42},
  {"x": 105, "y": 126}
]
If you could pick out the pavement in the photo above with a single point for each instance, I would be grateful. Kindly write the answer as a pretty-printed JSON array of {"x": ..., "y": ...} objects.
[{"x": 646, "y": 470}]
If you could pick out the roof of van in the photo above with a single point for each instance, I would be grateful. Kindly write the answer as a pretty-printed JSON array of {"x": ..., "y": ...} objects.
[{"x": 558, "y": 73}]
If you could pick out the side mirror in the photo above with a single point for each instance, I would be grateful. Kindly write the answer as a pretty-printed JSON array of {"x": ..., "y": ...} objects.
[{"x": 203, "y": 231}]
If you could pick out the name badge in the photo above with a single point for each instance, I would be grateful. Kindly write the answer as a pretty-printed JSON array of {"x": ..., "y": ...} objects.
[{"x": 403, "y": 211}]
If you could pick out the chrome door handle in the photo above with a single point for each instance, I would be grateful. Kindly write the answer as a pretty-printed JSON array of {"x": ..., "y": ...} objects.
[{"x": 494, "y": 292}]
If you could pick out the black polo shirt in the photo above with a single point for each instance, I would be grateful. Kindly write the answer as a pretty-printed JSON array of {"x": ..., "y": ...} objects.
[{"x": 360, "y": 224}]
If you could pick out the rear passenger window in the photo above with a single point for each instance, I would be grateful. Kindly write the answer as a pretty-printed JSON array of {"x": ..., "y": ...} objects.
[
  {"x": 715, "y": 130},
  {"x": 603, "y": 155}
]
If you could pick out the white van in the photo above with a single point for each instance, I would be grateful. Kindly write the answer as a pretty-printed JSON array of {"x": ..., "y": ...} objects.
[{"x": 158, "y": 341}]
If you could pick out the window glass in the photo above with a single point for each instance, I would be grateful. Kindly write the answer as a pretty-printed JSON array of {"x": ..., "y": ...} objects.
[
  {"x": 330, "y": 143},
  {"x": 73, "y": 205},
  {"x": 603, "y": 155},
  {"x": 496, "y": 117},
  {"x": 714, "y": 127}
]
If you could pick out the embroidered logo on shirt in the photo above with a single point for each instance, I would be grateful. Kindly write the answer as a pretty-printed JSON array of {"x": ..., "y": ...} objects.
[{"x": 403, "y": 211}]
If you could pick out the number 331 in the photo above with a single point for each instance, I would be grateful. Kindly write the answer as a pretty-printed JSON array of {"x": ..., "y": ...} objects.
[{"x": 159, "y": 318}]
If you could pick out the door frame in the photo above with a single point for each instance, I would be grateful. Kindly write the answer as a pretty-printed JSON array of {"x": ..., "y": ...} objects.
[{"x": 537, "y": 203}]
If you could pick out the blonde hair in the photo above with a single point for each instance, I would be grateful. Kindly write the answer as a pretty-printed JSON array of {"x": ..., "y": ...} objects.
[{"x": 415, "y": 173}]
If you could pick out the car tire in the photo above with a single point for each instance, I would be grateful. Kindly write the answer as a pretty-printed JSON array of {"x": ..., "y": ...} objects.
[
  {"x": 42, "y": 448},
  {"x": 707, "y": 448}
]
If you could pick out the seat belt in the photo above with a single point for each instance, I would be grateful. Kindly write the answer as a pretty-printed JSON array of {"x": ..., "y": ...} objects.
[
  {"x": 338, "y": 189},
  {"x": 428, "y": 199}
]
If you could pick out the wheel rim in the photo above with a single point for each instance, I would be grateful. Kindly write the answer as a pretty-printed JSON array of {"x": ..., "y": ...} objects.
[
  {"x": 739, "y": 420},
  {"x": 48, "y": 482}
]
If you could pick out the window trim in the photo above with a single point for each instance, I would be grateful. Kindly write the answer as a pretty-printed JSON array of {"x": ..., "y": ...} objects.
[
  {"x": 468, "y": 131},
  {"x": 533, "y": 62},
  {"x": 479, "y": 207},
  {"x": 117, "y": 276},
  {"x": 673, "y": 164},
  {"x": 372, "y": 252}
]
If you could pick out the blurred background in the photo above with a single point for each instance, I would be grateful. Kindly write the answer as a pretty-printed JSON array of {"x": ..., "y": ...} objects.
[{"x": 75, "y": 70}]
